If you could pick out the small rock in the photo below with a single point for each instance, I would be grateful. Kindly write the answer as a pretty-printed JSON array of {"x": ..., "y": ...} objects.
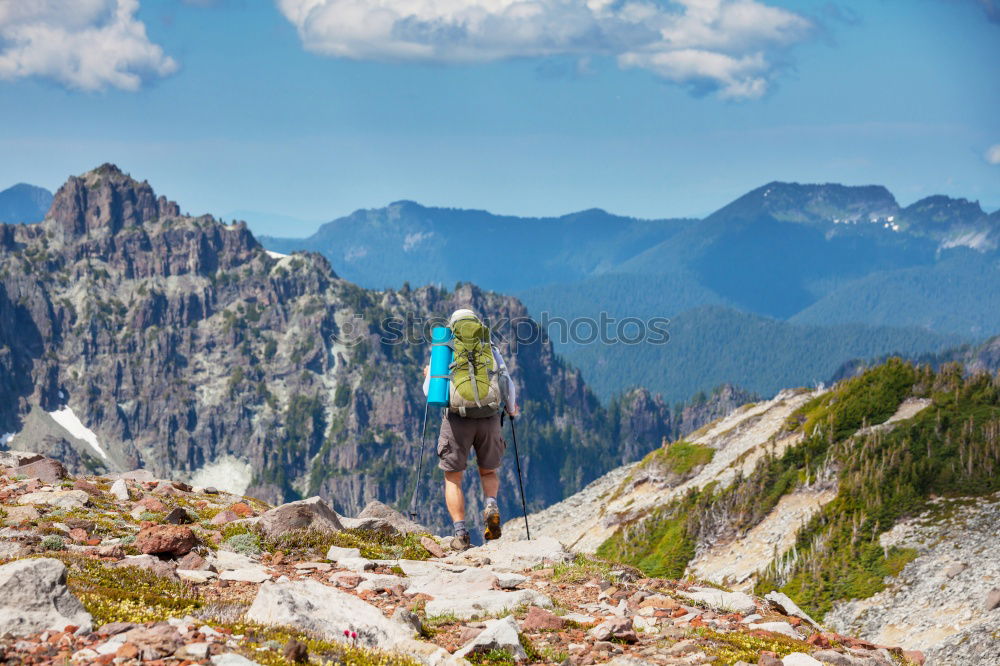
[
  {"x": 296, "y": 651},
  {"x": 408, "y": 618},
  {"x": 432, "y": 546},
  {"x": 47, "y": 470},
  {"x": 150, "y": 503},
  {"x": 254, "y": 575},
  {"x": 383, "y": 518},
  {"x": 834, "y": 658},
  {"x": 312, "y": 513},
  {"x": 154, "y": 564},
  {"x": 799, "y": 659},
  {"x": 681, "y": 648},
  {"x": 498, "y": 635},
  {"x": 62, "y": 499},
  {"x": 539, "y": 619},
  {"x": 120, "y": 490},
  {"x": 194, "y": 650},
  {"x": 619, "y": 628},
  {"x": 510, "y": 581},
  {"x": 19, "y": 515},
  {"x": 336, "y": 553},
  {"x": 193, "y": 561},
  {"x": 955, "y": 569},
  {"x": 196, "y": 576},
  {"x": 241, "y": 509},
  {"x": 87, "y": 487},
  {"x": 346, "y": 579},
  {"x": 178, "y": 516},
  {"x": 737, "y": 602},
  {"x": 166, "y": 539},
  {"x": 15, "y": 458},
  {"x": 768, "y": 658},
  {"x": 114, "y": 628},
  {"x": 785, "y": 604},
  {"x": 232, "y": 659},
  {"x": 114, "y": 551},
  {"x": 210, "y": 490},
  {"x": 167, "y": 489},
  {"x": 916, "y": 656},
  {"x": 782, "y": 628},
  {"x": 993, "y": 599},
  {"x": 224, "y": 517}
]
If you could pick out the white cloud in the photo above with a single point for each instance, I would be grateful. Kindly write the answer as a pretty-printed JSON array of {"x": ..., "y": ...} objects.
[
  {"x": 82, "y": 44},
  {"x": 723, "y": 45},
  {"x": 993, "y": 154}
]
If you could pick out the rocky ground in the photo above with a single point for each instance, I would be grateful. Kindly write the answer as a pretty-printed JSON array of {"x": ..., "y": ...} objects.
[
  {"x": 945, "y": 602},
  {"x": 129, "y": 569}
]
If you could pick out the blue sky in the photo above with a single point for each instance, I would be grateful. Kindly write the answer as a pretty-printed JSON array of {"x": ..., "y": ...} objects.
[{"x": 648, "y": 109}]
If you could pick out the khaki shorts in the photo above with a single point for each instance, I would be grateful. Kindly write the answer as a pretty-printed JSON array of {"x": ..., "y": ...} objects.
[{"x": 459, "y": 435}]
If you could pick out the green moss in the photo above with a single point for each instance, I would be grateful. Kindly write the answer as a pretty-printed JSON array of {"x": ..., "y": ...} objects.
[
  {"x": 126, "y": 594},
  {"x": 680, "y": 457},
  {"x": 729, "y": 648},
  {"x": 581, "y": 569}
]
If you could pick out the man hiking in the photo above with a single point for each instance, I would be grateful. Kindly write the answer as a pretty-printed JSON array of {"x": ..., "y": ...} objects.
[{"x": 480, "y": 388}]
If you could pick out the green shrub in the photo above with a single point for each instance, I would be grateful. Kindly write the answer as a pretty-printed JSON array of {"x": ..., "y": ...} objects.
[
  {"x": 246, "y": 544},
  {"x": 53, "y": 542}
]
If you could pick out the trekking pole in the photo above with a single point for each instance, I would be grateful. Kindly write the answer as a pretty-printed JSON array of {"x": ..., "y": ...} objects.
[
  {"x": 520, "y": 483},
  {"x": 420, "y": 468}
]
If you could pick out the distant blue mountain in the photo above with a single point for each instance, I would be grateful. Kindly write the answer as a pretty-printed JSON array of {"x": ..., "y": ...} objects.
[
  {"x": 798, "y": 278},
  {"x": 24, "y": 203}
]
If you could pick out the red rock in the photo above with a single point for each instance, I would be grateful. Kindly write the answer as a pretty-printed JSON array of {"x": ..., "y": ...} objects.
[
  {"x": 242, "y": 509},
  {"x": 193, "y": 561},
  {"x": 47, "y": 470},
  {"x": 127, "y": 651},
  {"x": 166, "y": 539},
  {"x": 768, "y": 658},
  {"x": 87, "y": 487},
  {"x": 77, "y": 534},
  {"x": 916, "y": 656},
  {"x": 167, "y": 489},
  {"x": 794, "y": 621},
  {"x": 539, "y": 619},
  {"x": 432, "y": 546},
  {"x": 680, "y": 612},
  {"x": 818, "y": 640},
  {"x": 93, "y": 542},
  {"x": 151, "y": 504}
]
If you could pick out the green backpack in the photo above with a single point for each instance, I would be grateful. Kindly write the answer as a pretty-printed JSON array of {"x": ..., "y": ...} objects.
[{"x": 475, "y": 386}]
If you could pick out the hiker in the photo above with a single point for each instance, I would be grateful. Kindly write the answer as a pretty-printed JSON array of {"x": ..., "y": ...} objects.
[{"x": 472, "y": 421}]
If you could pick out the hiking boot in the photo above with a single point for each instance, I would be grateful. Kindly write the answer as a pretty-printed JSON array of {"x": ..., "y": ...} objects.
[
  {"x": 461, "y": 541},
  {"x": 491, "y": 518}
]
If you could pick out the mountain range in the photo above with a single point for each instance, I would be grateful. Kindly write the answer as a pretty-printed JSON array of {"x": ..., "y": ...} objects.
[
  {"x": 821, "y": 273},
  {"x": 134, "y": 336}
]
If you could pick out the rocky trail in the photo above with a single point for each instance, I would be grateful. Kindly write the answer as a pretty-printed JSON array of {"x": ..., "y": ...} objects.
[{"x": 128, "y": 569}]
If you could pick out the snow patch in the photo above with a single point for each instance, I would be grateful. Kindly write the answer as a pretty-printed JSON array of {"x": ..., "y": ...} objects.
[
  {"x": 411, "y": 241},
  {"x": 68, "y": 420},
  {"x": 227, "y": 473},
  {"x": 977, "y": 240},
  {"x": 275, "y": 255}
]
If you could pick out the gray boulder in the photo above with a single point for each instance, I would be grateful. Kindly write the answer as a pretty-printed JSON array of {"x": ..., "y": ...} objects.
[
  {"x": 721, "y": 600},
  {"x": 61, "y": 499},
  {"x": 498, "y": 635},
  {"x": 311, "y": 606},
  {"x": 789, "y": 607},
  {"x": 383, "y": 518},
  {"x": 307, "y": 514},
  {"x": 34, "y": 597},
  {"x": 518, "y": 555}
]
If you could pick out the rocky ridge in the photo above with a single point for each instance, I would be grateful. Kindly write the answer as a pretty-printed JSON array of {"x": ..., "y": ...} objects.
[
  {"x": 770, "y": 494},
  {"x": 130, "y": 568}
]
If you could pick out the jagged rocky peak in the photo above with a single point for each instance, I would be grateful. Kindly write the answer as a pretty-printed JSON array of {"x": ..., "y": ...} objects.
[
  {"x": 812, "y": 203},
  {"x": 107, "y": 199}
]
